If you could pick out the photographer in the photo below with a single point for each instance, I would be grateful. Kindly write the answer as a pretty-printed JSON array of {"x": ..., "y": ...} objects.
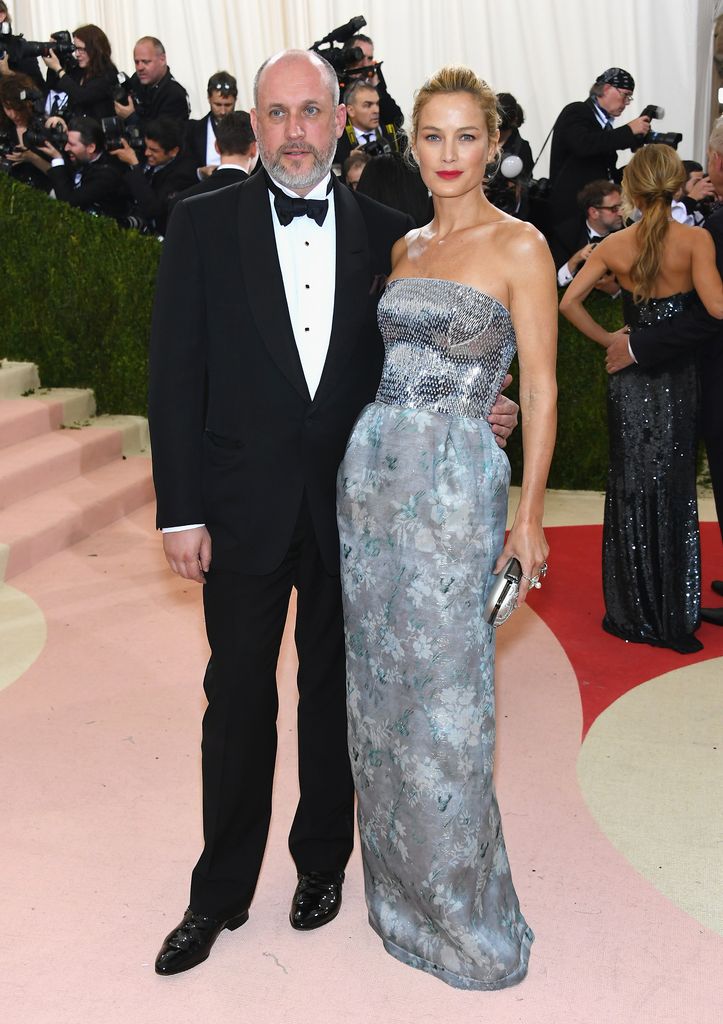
[
  {"x": 165, "y": 172},
  {"x": 89, "y": 81},
  {"x": 369, "y": 71},
  {"x": 235, "y": 144},
  {"x": 572, "y": 240},
  {"x": 152, "y": 91},
  {"x": 91, "y": 180},
  {"x": 222, "y": 92},
  {"x": 18, "y": 115},
  {"x": 363, "y": 130},
  {"x": 585, "y": 143},
  {"x": 13, "y": 59},
  {"x": 508, "y": 189}
]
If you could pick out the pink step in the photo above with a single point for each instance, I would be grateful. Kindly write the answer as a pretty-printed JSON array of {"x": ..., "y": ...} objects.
[
  {"x": 43, "y": 524},
  {"x": 23, "y": 418},
  {"x": 50, "y": 459}
]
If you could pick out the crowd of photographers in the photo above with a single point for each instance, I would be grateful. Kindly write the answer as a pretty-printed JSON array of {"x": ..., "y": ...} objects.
[{"x": 125, "y": 147}]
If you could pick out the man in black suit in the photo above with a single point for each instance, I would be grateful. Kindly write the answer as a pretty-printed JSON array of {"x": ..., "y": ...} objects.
[
  {"x": 236, "y": 145},
  {"x": 152, "y": 90},
  {"x": 572, "y": 241},
  {"x": 222, "y": 92},
  {"x": 698, "y": 330},
  {"x": 264, "y": 350},
  {"x": 91, "y": 180},
  {"x": 363, "y": 130},
  {"x": 585, "y": 143},
  {"x": 153, "y": 184}
]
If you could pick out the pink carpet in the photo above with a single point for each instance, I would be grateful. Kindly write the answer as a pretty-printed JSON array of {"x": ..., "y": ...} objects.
[{"x": 100, "y": 771}]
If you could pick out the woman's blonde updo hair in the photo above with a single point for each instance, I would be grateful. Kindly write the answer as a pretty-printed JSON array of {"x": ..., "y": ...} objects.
[
  {"x": 650, "y": 181},
  {"x": 457, "y": 79}
]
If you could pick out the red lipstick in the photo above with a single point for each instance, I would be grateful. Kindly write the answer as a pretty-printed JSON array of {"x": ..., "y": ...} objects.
[{"x": 448, "y": 175}]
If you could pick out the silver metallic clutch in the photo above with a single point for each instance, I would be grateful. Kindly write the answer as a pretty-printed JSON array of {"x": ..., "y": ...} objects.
[{"x": 502, "y": 598}]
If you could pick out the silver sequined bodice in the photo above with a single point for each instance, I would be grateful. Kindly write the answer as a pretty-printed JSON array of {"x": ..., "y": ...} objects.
[{"x": 447, "y": 346}]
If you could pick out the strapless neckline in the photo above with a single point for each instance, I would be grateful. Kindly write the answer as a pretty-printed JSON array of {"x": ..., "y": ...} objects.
[{"x": 457, "y": 284}]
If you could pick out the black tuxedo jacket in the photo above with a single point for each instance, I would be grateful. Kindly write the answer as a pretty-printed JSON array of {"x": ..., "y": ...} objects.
[
  {"x": 151, "y": 195},
  {"x": 696, "y": 330},
  {"x": 237, "y": 440},
  {"x": 101, "y": 190},
  {"x": 566, "y": 238},
  {"x": 194, "y": 143},
  {"x": 583, "y": 151},
  {"x": 221, "y": 178}
]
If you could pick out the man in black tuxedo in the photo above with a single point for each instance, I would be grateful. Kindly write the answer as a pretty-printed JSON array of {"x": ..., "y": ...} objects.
[
  {"x": 572, "y": 241},
  {"x": 222, "y": 93},
  {"x": 264, "y": 350},
  {"x": 585, "y": 143},
  {"x": 91, "y": 180},
  {"x": 695, "y": 329},
  {"x": 153, "y": 184},
  {"x": 236, "y": 145}
]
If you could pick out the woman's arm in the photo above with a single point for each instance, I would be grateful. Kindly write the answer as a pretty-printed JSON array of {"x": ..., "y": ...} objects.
[
  {"x": 533, "y": 306},
  {"x": 706, "y": 279},
  {"x": 578, "y": 290}
]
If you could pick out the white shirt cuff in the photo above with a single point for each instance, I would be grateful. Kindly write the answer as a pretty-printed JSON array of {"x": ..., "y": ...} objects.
[
  {"x": 57, "y": 161},
  {"x": 563, "y": 275},
  {"x": 179, "y": 529},
  {"x": 630, "y": 350}
]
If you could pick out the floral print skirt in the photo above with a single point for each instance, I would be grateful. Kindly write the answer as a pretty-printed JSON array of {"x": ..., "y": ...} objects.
[{"x": 422, "y": 504}]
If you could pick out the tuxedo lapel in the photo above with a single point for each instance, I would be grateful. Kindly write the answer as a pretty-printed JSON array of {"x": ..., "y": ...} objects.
[
  {"x": 265, "y": 285},
  {"x": 353, "y": 278}
]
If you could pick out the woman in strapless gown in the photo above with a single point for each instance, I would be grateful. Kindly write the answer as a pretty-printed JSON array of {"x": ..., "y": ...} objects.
[
  {"x": 651, "y": 550},
  {"x": 422, "y": 500}
]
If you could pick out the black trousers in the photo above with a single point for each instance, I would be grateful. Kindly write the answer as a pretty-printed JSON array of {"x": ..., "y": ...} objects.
[{"x": 245, "y": 618}]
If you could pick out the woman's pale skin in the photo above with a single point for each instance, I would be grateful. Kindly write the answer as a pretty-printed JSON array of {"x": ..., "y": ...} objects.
[
  {"x": 471, "y": 242},
  {"x": 688, "y": 263}
]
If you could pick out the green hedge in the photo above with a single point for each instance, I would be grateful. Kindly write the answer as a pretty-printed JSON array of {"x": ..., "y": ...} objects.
[
  {"x": 76, "y": 300},
  {"x": 76, "y": 297}
]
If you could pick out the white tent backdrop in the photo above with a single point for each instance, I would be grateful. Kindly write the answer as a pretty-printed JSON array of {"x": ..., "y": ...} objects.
[{"x": 546, "y": 52}]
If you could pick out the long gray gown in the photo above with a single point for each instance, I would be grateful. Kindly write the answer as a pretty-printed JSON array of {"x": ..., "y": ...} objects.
[{"x": 422, "y": 504}]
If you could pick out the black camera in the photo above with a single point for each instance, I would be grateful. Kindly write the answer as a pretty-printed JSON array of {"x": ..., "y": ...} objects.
[
  {"x": 340, "y": 56},
  {"x": 672, "y": 139},
  {"x": 38, "y": 134},
  {"x": 376, "y": 147},
  {"x": 114, "y": 131},
  {"x": 61, "y": 43},
  {"x": 121, "y": 92}
]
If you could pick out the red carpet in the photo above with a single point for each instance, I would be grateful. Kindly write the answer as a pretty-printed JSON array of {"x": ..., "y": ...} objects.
[{"x": 571, "y": 604}]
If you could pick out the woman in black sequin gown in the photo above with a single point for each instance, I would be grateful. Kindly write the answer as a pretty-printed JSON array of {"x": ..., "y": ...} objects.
[{"x": 651, "y": 551}]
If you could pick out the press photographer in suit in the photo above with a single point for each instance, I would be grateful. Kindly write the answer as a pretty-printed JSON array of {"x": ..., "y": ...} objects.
[
  {"x": 264, "y": 349},
  {"x": 236, "y": 145},
  {"x": 222, "y": 92}
]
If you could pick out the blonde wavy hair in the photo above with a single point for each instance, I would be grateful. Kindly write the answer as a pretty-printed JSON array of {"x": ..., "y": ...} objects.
[
  {"x": 650, "y": 181},
  {"x": 456, "y": 78}
]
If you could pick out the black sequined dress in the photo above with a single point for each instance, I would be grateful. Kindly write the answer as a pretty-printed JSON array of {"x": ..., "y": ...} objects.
[{"x": 651, "y": 550}]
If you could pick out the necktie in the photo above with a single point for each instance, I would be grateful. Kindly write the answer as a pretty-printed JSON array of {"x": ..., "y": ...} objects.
[
  {"x": 367, "y": 136},
  {"x": 288, "y": 207},
  {"x": 608, "y": 126}
]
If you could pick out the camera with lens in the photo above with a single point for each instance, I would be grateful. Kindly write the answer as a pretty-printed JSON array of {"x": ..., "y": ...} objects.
[
  {"x": 115, "y": 130},
  {"x": 332, "y": 48},
  {"x": 38, "y": 133},
  {"x": 121, "y": 92},
  {"x": 61, "y": 43},
  {"x": 672, "y": 139},
  {"x": 376, "y": 147}
]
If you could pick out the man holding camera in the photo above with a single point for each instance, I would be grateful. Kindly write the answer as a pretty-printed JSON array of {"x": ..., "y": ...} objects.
[
  {"x": 164, "y": 173},
  {"x": 152, "y": 91},
  {"x": 363, "y": 130},
  {"x": 585, "y": 143},
  {"x": 91, "y": 179},
  {"x": 222, "y": 92},
  {"x": 368, "y": 70}
]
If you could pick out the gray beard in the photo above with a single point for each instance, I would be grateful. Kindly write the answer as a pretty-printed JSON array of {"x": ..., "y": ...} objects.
[{"x": 318, "y": 171}]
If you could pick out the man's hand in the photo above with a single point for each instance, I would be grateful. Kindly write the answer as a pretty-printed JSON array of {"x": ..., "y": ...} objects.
[
  {"x": 49, "y": 150},
  {"x": 188, "y": 552},
  {"x": 126, "y": 154},
  {"x": 617, "y": 353},
  {"x": 503, "y": 415},
  {"x": 640, "y": 126},
  {"x": 207, "y": 170},
  {"x": 700, "y": 189},
  {"x": 579, "y": 257},
  {"x": 5, "y": 65},
  {"x": 608, "y": 283},
  {"x": 125, "y": 110}
]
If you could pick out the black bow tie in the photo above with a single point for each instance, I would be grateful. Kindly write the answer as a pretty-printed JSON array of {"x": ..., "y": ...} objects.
[{"x": 288, "y": 207}]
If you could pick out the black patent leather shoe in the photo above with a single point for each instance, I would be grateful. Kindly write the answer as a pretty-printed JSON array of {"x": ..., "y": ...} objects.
[
  {"x": 717, "y": 587},
  {"x": 317, "y": 899},
  {"x": 712, "y": 615},
  {"x": 190, "y": 943}
]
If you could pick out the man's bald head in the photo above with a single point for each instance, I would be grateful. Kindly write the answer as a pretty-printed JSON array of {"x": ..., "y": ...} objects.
[{"x": 327, "y": 71}]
